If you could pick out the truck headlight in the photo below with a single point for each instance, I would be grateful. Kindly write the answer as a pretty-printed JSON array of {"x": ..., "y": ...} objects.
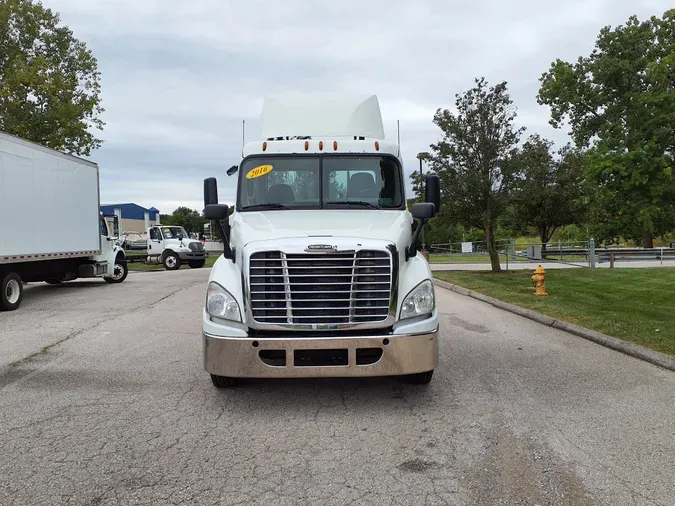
[
  {"x": 419, "y": 301},
  {"x": 221, "y": 304}
]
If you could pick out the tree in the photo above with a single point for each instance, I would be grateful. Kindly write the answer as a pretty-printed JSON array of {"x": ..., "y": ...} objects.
[
  {"x": 550, "y": 193},
  {"x": 474, "y": 159},
  {"x": 189, "y": 219},
  {"x": 620, "y": 100},
  {"x": 49, "y": 81}
]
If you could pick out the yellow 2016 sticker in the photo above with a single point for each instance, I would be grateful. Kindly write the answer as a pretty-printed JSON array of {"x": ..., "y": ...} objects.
[{"x": 258, "y": 171}]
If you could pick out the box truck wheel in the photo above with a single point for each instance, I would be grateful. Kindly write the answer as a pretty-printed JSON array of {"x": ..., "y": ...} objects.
[
  {"x": 196, "y": 264},
  {"x": 171, "y": 261},
  {"x": 11, "y": 292},
  {"x": 223, "y": 381},
  {"x": 120, "y": 272}
]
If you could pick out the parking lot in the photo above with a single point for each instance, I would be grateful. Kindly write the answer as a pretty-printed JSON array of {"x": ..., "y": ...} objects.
[{"x": 103, "y": 400}]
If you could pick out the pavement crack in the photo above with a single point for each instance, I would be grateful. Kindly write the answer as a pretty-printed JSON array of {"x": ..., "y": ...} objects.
[
  {"x": 169, "y": 295},
  {"x": 9, "y": 376},
  {"x": 46, "y": 349},
  {"x": 194, "y": 385}
]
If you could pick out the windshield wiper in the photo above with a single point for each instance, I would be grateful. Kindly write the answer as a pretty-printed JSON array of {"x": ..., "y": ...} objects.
[
  {"x": 260, "y": 207},
  {"x": 360, "y": 203}
]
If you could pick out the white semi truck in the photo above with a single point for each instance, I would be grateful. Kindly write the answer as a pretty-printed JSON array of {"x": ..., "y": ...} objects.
[
  {"x": 171, "y": 246},
  {"x": 320, "y": 275},
  {"x": 51, "y": 227}
]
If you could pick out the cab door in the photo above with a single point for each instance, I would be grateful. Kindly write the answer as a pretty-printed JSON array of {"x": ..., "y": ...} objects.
[
  {"x": 107, "y": 244},
  {"x": 108, "y": 252},
  {"x": 155, "y": 241}
]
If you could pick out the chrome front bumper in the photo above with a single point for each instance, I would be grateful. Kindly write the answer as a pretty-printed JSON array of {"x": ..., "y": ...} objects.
[{"x": 239, "y": 357}]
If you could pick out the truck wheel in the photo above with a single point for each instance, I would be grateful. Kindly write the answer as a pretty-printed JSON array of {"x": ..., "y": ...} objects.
[
  {"x": 223, "y": 381},
  {"x": 120, "y": 273},
  {"x": 11, "y": 292},
  {"x": 422, "y": 378},
  {"x": 196, "y": 264},
  {"x": 171, "y": 262}
]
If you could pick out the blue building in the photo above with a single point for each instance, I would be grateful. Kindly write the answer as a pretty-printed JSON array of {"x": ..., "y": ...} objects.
[{"x": 132, "y": 216}]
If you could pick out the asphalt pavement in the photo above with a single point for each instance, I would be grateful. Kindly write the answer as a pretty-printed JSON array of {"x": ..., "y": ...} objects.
[{"x": 103, "y": 400}]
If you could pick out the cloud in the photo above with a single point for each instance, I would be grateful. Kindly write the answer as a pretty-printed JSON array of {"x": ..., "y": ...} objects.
[{"x": 179, "y": 77}]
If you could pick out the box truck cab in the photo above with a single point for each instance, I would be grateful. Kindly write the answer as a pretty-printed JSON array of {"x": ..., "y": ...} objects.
[
  {"x": 320, "y": 275},
  {"x": 171, "y": 246}
]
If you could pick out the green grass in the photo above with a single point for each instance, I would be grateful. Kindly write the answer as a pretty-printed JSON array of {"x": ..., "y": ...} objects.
[
  {"x": 141, "y": 266},
  {"x": 637, "y": 305}
]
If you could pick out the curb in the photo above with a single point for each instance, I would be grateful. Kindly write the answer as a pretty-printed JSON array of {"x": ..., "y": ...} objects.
[{"x": 634, "y": 350}]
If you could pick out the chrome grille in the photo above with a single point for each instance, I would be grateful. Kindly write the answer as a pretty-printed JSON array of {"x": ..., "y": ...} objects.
[{"x": 315, "y": 288}]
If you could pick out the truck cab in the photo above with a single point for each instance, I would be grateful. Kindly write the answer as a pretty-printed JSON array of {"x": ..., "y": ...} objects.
[
  {"x": 320, "y": 275},
  {"x": 172, "y": 246},
  {"x": 111, "y": 263}
]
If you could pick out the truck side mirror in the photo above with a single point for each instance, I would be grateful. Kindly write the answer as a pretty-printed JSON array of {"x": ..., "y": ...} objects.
[
  {"x": 216, "y": 212},
  {"x": 432, "y": 192},
  {"x": 232, "y": 170},
  {"x": 423, "y": 211},
  {"x": 210, "y": 191},
  {"x": 116, "y": 227}
]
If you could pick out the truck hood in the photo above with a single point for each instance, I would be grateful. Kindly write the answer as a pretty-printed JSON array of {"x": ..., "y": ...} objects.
[
  {"x": 177, "y": 242},
  {"x": 391, "y": 226}
]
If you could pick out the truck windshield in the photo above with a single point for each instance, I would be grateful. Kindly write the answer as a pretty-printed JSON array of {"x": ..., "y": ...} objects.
[
  {"x": 320, "y": 182},
  {"x": 174, "y": 233}
]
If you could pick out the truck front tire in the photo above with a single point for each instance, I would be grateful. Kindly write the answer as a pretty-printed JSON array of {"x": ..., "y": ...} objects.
[
  {"x": 422, "y": 378},
  {"x": 171, "y": 262},
  {"x": 11, "y": 292},
  {"x": 196, "y": 264},
  {"x": 223, "y": 381},
  {"x": 121, "y": 272}
]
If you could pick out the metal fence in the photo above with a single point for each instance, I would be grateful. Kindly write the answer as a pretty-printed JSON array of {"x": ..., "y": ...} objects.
[
  {"x": 573, "y": 253},
  {"x": 473, "y": 252}
]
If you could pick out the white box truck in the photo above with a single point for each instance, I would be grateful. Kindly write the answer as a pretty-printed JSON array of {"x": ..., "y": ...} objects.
[
  {"x": 51, "y": 227},
  {"x": 320, "y": 275}
]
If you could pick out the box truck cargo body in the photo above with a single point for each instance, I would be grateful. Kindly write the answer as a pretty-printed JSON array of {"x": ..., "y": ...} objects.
[{"x": 51, "y": 228}]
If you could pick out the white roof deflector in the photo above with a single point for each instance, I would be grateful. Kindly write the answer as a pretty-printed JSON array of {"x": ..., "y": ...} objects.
[{"x": 321, "y": 115}]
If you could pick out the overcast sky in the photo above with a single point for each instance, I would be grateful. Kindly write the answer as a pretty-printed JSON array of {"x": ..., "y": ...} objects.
[{"x": 179, "y": 77}]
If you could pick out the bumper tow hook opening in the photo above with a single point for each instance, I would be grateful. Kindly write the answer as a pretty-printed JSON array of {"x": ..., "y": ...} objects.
[
  {"x": 368, "y": 356},
  {"x": 385, "y": 342},
  {"x": 275, "y": 358},
  {"x": 255, "y": 344}
]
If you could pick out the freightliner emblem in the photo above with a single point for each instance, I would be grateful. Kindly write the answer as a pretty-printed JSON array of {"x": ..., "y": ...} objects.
[{"x": 321, "y": 247}]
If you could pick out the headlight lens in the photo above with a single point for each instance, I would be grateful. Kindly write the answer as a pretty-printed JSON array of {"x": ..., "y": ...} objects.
[
  {"x": 419, "y": 301},
  {"x": 221, "y": 304}
]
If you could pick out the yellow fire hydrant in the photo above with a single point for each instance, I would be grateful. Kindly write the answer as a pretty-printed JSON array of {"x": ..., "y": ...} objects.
[{"x": 539, "y": 280}]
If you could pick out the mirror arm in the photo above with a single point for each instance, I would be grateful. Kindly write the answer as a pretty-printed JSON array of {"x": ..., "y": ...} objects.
[
  {"x": 227, "y": 251},
  {"x": 411, "y": 250}
]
